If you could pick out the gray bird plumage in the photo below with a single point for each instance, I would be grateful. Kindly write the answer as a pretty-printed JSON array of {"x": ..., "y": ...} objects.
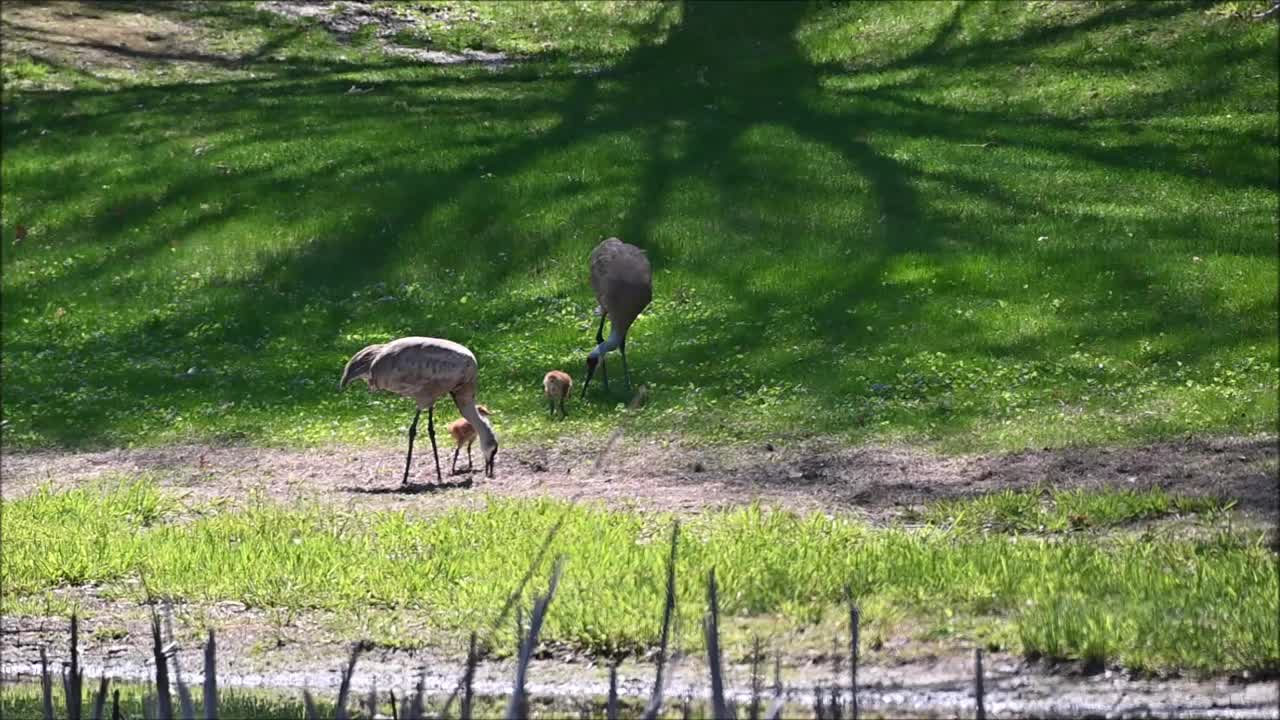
[
  {"x": 623, "y": 282},
  {"x": 425, "y": 369}
]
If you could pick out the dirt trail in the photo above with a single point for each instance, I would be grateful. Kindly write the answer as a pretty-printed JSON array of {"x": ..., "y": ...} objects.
[{"x": 880, "y": 482}]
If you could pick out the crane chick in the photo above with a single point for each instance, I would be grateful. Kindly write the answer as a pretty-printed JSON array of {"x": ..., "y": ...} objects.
[
  {"x": 464, "y": 434},
  {"x": 557, "y": 385}
]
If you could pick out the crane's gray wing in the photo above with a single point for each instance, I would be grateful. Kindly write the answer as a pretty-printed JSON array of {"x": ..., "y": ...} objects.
[{"x": 622, "y": 279}]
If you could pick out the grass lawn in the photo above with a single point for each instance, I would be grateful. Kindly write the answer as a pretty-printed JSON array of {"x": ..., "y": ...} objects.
[
  {"x": 1101, "y": 589},
  {"x": 975, "y": 226}
]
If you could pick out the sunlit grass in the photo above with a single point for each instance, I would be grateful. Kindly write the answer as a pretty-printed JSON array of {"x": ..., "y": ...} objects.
[
  {"x": 22, "y": 700},
  {"x": 838, "y": 250},
  {"x": 1208, "y": 603},
  {"x": 1063, "y": 510}
]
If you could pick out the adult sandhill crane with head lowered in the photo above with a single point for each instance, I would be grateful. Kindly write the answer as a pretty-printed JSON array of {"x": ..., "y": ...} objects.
[
  {"x": 425, "y": 368},
  {"x": 623, "y": 281}
]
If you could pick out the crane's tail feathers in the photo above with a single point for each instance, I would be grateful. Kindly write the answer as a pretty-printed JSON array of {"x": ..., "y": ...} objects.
[{"x": 358, "y": 366}]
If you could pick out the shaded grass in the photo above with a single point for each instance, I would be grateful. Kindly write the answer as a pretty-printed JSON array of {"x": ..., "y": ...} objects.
[
  {"x": 835, "y": 251},
  {"x": 1207, "y": 604}
]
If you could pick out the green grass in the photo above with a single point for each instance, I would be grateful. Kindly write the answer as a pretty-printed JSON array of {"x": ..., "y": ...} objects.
[
  {"x": 570, "y": 30},
  {"x": 1153, "y": 602},
  {"x": 1063, "y": 510},
  {"x": 23, "y": 700},
  {"x": 834, "y": 253}
]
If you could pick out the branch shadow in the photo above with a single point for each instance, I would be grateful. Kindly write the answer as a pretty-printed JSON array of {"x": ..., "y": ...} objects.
[{"x": 697, "y": 101}]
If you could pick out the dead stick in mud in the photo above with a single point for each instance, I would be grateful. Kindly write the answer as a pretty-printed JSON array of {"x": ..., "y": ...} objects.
[
  {"x": 344, "y": 687},
  {"x": 668, "y": 616},
  {"x": 184, "y": 693},
  {"x": 210, "y": 678},
  {"x": 611, "y": 705},
  {"x": 515, "y": 596},
  {"x": 309, "y": 705},
  {"x": 775, "y": 710},
  {"x": 711, "y": 631},
  {"x": 46, "y": 686},
  {"x": 518, "y": 706},
  {"x": 468, "y": 678},
  {"x": 371, "y": 699},
  {"x": 164, "y": 700},
  {"x": 417, "y": 708},
  {"x": 757, "y": 682},
  {"x": 533, "y": 567},
  {"x": 977, "y": 684},
  {"x": 74, "y": 677},
  {"x": 854, "y": 621},
  {"x": 100, "y": 699}
]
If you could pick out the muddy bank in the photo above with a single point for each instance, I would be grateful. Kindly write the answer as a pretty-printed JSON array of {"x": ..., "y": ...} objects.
[
  {"x": 940, "y": 686},
  {"x": 907, "y": 678},
  {"x": 880, "y": 482}
]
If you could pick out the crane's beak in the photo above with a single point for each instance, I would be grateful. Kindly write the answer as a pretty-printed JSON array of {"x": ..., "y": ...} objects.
[
  {"x": 489, "y": 465},
  {"x": 587, "y": 383}
]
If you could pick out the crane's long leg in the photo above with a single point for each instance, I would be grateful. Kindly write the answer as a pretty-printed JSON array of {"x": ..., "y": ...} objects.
[
  {"x": 471, "y": 466},
  {"x": 413, "y": 432},
  {"x": 562, "y": 414},
  {"x": 622, "y": 350},
  {"x": 453, "y": 469},
  {"x": 604, "y": 371},
  {"x": 431, "y": 430}
]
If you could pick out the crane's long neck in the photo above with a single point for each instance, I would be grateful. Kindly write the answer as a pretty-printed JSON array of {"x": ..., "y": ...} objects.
[
  {"x": 610, "y": 343},
  {"x": 479, "y": 422}
]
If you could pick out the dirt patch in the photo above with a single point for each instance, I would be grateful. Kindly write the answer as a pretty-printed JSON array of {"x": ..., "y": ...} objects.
[
  {"x": 252, "y": 653},
  {"x": 124, "y": 42},
  {"x": 880, "y": 482},
  {"x": 907, "y": 677},
  {"x": 345, "y": 19},
  {"x": 107, "y": 40}
]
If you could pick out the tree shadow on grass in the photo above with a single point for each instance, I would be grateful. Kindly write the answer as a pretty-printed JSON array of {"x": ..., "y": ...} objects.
[{"x": 695, "y": 102}]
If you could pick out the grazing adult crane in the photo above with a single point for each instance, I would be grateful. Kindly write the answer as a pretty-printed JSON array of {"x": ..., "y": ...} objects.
[
  {"x": 623, "y": 281},
  {"x": 425, "y": 368}
]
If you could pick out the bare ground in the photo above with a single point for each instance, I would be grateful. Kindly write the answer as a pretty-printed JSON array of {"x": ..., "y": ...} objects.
[
  {"x": 254, "y": 653},
  {"x": 111, "y": 41},
  {"x": 122, "y": 42},
  {"x": 880, "y": 482}
]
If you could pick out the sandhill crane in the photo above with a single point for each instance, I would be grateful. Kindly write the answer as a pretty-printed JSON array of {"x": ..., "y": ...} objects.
[
  {"x": 425, "y": 368},
  {"x": 623, "y": 281},
  {"x": 463, "y": 434},
  {"x": 557, "y": 385}
]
